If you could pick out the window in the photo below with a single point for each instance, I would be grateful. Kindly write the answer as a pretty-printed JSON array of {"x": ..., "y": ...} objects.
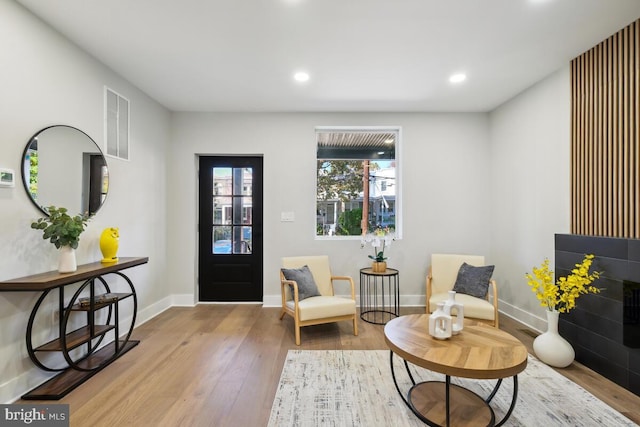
[
  {"x": 116, "y": 125},
  {"x": 357, "y": 187}
]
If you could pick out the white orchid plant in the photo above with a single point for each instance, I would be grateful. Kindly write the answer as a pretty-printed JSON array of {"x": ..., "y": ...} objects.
[{"x": 379, "y": 239}]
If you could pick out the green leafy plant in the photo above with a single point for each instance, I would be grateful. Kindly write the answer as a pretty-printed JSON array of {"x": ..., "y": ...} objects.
[
  {"x": 349, "y": 223},
  {"x": 61, "y": 228}
]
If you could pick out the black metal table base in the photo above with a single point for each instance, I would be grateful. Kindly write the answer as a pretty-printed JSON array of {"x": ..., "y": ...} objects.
[
  {"x": 378, "y": 317},
  {"x": 451, "y": 391},
  {"x": 379, "y": 295}
]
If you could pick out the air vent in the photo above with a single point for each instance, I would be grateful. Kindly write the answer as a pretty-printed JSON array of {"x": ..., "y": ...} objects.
[{"x": 116, "y": 125}]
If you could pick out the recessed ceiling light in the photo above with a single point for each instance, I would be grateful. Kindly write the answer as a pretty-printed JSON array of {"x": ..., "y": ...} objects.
[
  {"x": 301, "y": 76},
  {"x": 388, "y": 141},
  {"x": 458, "y": 78},
  {"x": 380, "y": 153}
]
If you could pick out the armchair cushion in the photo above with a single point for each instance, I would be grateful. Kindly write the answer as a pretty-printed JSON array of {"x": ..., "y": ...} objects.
[
  {"x": 473, "y": 281},
  {"x": 306, "y": 284},
  {"x": 322, "y": 307}
]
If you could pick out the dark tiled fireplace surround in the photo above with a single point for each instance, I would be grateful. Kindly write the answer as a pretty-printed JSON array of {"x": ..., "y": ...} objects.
[{"x": 603, "y": 328}]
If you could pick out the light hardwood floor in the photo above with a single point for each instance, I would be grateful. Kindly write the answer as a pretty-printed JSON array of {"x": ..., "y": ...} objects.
[{"x": 219, "y": 365}]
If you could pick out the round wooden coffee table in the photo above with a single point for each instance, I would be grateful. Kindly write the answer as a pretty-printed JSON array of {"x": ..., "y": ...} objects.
[{"x": 480, "y": 351}]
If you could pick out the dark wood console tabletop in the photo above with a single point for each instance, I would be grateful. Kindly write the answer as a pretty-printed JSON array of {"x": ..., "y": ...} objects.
[{"x": 89, "y": 357}]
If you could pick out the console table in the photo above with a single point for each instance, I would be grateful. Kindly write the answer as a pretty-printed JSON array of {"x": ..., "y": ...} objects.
[
  {"x": 81, "y": 348},
  {"x": 377, "y": 305}
]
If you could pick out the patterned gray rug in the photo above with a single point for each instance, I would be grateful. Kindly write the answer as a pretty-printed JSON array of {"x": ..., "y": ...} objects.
[{"x": 355, "y": 388}]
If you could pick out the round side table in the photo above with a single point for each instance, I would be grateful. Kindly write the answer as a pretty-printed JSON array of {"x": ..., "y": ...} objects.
[{"x": 379, "y": 295}]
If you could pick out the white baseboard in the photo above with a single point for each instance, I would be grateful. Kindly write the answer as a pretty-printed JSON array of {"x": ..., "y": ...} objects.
[
  {"x": 183, "y": 300},
  {"x": 272, "y": 301},
  {"x": 534, "y": 322},
  {"x": 412, "y": 301},
  {"x": 16, "y": 387},
  {"x": 153, "y": 310}
]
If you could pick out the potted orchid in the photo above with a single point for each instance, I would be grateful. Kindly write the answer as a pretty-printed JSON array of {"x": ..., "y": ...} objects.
[{"x": 379, "y": 239}]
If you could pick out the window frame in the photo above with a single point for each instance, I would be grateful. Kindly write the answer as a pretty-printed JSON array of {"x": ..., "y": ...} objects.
[{"x": 398, "y": 178}]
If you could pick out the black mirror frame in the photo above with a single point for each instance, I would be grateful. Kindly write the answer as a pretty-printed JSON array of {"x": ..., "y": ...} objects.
[{"x": 24, "y": 154}]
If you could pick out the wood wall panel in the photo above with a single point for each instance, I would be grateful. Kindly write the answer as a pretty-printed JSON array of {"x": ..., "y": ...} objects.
[{"x": 605, "y": 137}]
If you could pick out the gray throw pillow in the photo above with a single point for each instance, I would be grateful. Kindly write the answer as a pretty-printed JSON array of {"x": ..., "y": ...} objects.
[
  {"x": 302, "y": 276},
  {"x": 473, "y": 281}
]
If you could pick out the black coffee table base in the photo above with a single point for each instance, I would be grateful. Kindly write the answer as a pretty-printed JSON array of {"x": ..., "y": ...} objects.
[{"x": 430, "y": 398}]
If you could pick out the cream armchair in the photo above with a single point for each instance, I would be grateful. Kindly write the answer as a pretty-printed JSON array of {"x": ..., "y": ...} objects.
[
  {"x": 441, "y": 279},
  {"x": 322, "y": 308}
]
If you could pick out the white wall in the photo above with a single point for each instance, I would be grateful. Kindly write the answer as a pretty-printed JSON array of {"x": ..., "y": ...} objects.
[
  {"x": 530, "y": 158},
  {"x": 46, "y": 80},
  {"x": 445, "y": 184}
]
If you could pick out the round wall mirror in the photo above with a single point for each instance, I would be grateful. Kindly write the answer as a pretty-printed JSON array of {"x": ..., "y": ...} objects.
[{"x": 63, "y": 167}]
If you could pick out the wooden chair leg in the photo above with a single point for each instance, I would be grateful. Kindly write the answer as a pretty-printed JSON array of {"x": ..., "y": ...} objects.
[
  {"x": 297, "y": 326},
  {"x": 355, "y": 326},
  {"x": 282, "y": 313}
]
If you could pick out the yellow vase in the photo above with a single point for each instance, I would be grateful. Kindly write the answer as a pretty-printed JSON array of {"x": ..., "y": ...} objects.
[{"x": 109, "y": 244}]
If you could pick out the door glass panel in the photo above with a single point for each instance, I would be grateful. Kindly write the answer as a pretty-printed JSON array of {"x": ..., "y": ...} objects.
[
  {"x": 246, "y": 239},
  {"x": 247, "y": 211},
  {"x": 237, "y": 210},
  {"x": 221, "y": 240},
  {"x": 247, "y": 182},
  {"x": 221, "y": 210},
  {"x": 232, "y": 210},
  {"x": 237, "y": 181},
  {"x": 237, "y": 240},
  {"x": 222, "y": 181}
]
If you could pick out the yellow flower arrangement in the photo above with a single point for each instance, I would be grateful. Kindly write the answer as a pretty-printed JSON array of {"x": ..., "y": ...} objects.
[{"x": 562, "y": 294}]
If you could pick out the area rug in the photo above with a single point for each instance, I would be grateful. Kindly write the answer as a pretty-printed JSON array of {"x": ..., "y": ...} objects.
[{"x": 355, "y": 388}]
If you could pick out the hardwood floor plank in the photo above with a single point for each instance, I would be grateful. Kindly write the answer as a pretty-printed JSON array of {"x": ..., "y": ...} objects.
[{"x": 219, "y": 365}]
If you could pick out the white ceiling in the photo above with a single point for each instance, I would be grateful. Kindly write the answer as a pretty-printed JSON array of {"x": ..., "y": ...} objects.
[{"x": 362, "y": 55}]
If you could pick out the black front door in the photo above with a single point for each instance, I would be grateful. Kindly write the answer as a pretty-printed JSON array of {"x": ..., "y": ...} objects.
[{"x": 230, "y": 229}]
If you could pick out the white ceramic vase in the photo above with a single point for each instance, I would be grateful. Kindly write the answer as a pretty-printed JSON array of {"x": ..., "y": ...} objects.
[
  {"x": 550, "y": 347},
  {"x": 67, "y": 260},
  {"x": 440, "y": 323},
  {"x": 451, "y": 305}
]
